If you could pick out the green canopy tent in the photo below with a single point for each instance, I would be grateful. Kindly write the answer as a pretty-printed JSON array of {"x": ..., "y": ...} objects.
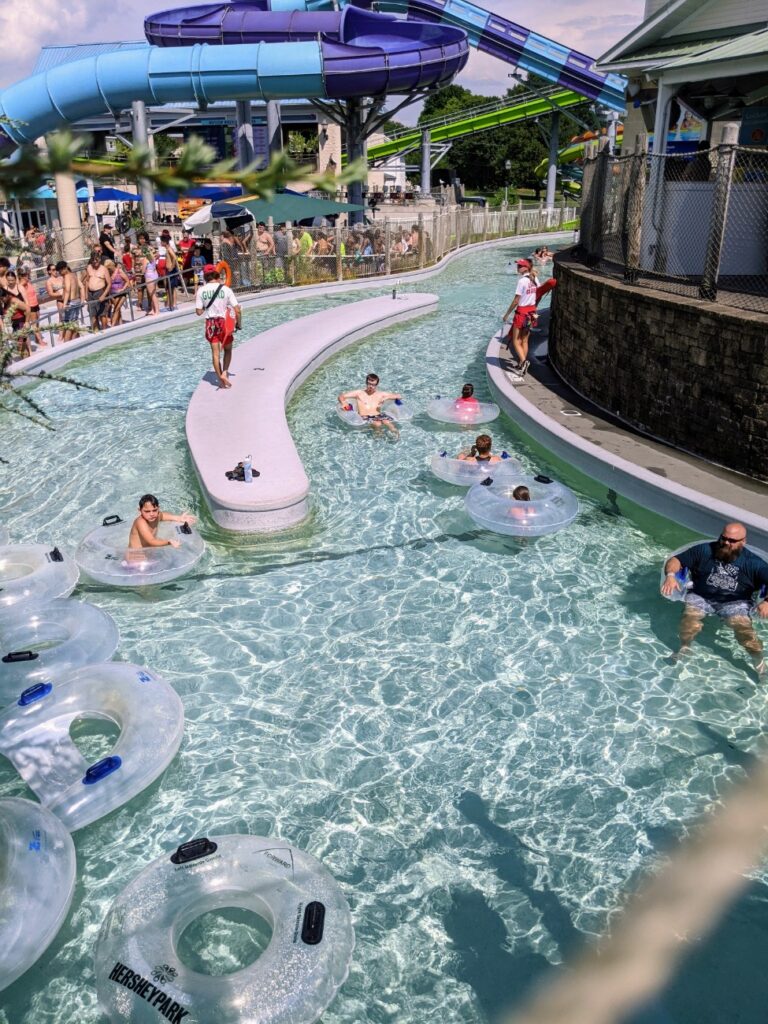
[{"x": 284, "y": 206}]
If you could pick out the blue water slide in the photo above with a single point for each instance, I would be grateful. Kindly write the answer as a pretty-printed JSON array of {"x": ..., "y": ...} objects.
[
  {"x": 247, "y": 21},
  {"x": 353, "y": 53}
]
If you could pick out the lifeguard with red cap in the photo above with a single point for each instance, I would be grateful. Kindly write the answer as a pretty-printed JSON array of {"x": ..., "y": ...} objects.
[
  {"x": 523, "y": 305},
  {"x": 214, "y": 301}
]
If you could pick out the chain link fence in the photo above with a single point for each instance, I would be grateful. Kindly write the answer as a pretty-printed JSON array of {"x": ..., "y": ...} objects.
[
  {"x": 313, "y": 255},
  {"x": 694, "y": 225}
]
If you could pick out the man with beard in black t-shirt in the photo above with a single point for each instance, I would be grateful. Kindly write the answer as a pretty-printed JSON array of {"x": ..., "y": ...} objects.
[{"x": 724, "y": 576}]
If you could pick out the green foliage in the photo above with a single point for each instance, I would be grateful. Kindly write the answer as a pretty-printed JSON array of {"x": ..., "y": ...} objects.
[
  {"x": 195, "y": 163},
  {"x": 479, "y": 160}
]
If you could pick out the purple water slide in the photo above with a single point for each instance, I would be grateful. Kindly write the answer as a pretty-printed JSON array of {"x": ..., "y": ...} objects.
[{"x": 363, "y": 53}]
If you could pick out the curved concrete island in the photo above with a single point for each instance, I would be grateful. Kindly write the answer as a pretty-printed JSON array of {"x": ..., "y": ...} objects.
[{"x": 223, "y": 426}]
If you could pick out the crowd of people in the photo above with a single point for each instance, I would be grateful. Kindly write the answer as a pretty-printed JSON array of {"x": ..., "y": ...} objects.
[{"x": 146, "y": 273}]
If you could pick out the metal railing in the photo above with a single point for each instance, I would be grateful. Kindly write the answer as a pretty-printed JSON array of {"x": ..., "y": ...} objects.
[{"x": 694, "y": 225}]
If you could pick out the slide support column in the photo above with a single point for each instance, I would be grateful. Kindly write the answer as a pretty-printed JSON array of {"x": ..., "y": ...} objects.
[
  {"x": 141, "y": 138},
  {"x": 356, "y": 149},
  {"x": 244, "y": 133},
  {"x": 69, "y": 218},
  {"x": 426, "y": 163},
  {"x": 274, "y": 128},
  {"x": 554, "y": 141}
]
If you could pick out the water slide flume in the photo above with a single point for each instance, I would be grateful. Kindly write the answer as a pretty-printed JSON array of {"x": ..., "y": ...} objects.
[
  {"x": 354, "y": 54},
  {"x": 300, "y": 49}
]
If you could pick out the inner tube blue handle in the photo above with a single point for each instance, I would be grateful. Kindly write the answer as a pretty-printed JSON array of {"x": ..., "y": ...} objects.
[
  {"x": 505, "y": 455},
  {"x": 101, "y": 769},
  {"x": 34, "y": 693},
  {"x": 398, "y": 401}
]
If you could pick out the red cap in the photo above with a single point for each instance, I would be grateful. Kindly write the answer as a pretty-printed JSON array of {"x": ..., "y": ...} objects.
[
  {"x": 209, "y": 269},
  {"x": 524, "y": 263}
]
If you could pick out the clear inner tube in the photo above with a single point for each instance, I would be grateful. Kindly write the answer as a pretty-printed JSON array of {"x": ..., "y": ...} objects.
[
  {"x": 105, "y": 556},
  {"x": 37, "y": 871},
  {"x": 35, "y": 737},
  {"x": 292, "y": 982},
  {"x": 41, "y": 642},
  {"x": 398, "y": 410},
  {"x": 468, "y": 472},
  {"x": 34, "y": 573},
  {"x": 456, "y": 410},
  {"x": 551, "y": 508}
]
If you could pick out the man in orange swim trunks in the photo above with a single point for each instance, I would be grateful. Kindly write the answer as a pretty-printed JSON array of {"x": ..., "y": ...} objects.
[{"x": 214, "y": 300}]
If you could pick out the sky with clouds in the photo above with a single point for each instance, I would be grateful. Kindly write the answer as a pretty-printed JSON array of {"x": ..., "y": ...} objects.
[{"x": 585, "y": 25}]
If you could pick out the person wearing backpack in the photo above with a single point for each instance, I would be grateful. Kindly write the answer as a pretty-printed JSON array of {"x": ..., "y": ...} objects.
[{"x": 213, "y": 300}]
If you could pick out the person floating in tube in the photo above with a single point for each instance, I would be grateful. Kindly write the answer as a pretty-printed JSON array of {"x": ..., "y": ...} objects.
[
  {"x": 480, "y": 450},
  {"x": 369, "y": 403},
  {"x": 144, "y": 529},
  {"x": 527, "y": 295},
  {"x": 724, "y": 575},
  {"x": 467, "y": 399},
  {"x": 213, "y": 300}
]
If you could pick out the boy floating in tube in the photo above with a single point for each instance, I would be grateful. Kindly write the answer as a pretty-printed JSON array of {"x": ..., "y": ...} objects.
[{"x": 144, "y": 529}]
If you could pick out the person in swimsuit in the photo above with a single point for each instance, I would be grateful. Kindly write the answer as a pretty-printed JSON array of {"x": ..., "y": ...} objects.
[
  {"x": 95, "y": 283},
  {"x": 70, "y": 295},
  {"x": 33, "y": 307},
  {"x": 369, "y": 403},
  {"x": 14, "y": 299},
  {"x": 480, "y": 450},
  {"x": 54, "y": 287},
  {"x": 724, "y": 576},
  {"x": 144, "y": 528},
  {"x": 150, "y": 274},
  {"x": 468, "y": 396},
  {"x": 117, "y": 290}
]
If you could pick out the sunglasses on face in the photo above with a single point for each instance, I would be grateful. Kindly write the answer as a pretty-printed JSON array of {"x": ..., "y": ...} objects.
[{"x": 730, "y": 540}]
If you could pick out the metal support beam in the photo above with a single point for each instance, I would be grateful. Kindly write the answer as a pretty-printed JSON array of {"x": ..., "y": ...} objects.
[
  {"x": 426, "y": 162},
  {"x": 357, "y": 149},
  {"x": 554, "y": 146},
  {"x": 274, "y": 128},
  {"x": 244, "y": 134},
  {"x": 140, "y": 134}
]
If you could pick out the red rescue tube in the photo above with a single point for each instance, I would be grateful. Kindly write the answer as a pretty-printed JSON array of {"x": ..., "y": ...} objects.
[{"x": 544, "y": 289}]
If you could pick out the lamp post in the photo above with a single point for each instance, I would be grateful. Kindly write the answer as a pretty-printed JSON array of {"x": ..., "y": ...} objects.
[{"x": 507, "y": 168}]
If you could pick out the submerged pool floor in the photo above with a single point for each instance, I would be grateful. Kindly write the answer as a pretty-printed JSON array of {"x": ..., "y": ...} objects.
[{"x": 482, "y": 740}]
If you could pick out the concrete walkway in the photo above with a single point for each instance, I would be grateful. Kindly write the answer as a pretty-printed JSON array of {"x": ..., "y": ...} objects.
[
  {"x": 223, "y": 426},
  {"x": 686, "y": 489}
]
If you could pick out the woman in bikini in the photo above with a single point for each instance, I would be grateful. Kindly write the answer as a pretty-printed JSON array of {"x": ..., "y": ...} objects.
[{"x": 480, "y": 451}]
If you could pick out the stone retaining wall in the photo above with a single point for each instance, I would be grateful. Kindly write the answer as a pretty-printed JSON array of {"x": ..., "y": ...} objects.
[{"x": 690, "y": 373}]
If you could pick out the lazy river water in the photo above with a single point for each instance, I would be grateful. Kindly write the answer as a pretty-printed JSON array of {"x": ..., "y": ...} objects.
[{"x": 482, "y": 740}]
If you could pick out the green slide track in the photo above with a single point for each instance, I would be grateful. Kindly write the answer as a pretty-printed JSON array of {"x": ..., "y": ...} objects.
[{"x": 478, "y": 119}]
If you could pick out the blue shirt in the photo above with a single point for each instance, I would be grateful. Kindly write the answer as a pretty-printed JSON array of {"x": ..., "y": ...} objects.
[{"x": 724, "y": 581}]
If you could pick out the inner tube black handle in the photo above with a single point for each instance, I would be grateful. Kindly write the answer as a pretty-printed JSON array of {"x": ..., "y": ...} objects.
[
  {"x": 14, "y": 656},
  {"x": 185, "y": 528},
  {"x": 111, "y": 521},
  {"x": 193, "y": 850},
  {"x": 56, "y": 555},
  {"x": 313, "y": 924},
  {"x": 541, "y": 479}
]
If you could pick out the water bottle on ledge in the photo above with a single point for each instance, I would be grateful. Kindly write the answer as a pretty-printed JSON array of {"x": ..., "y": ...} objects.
[{"x": 248, "y": 469}]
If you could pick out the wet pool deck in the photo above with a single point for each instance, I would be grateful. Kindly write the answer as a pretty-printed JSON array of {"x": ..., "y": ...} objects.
[{"x": 686, "y": 489}]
